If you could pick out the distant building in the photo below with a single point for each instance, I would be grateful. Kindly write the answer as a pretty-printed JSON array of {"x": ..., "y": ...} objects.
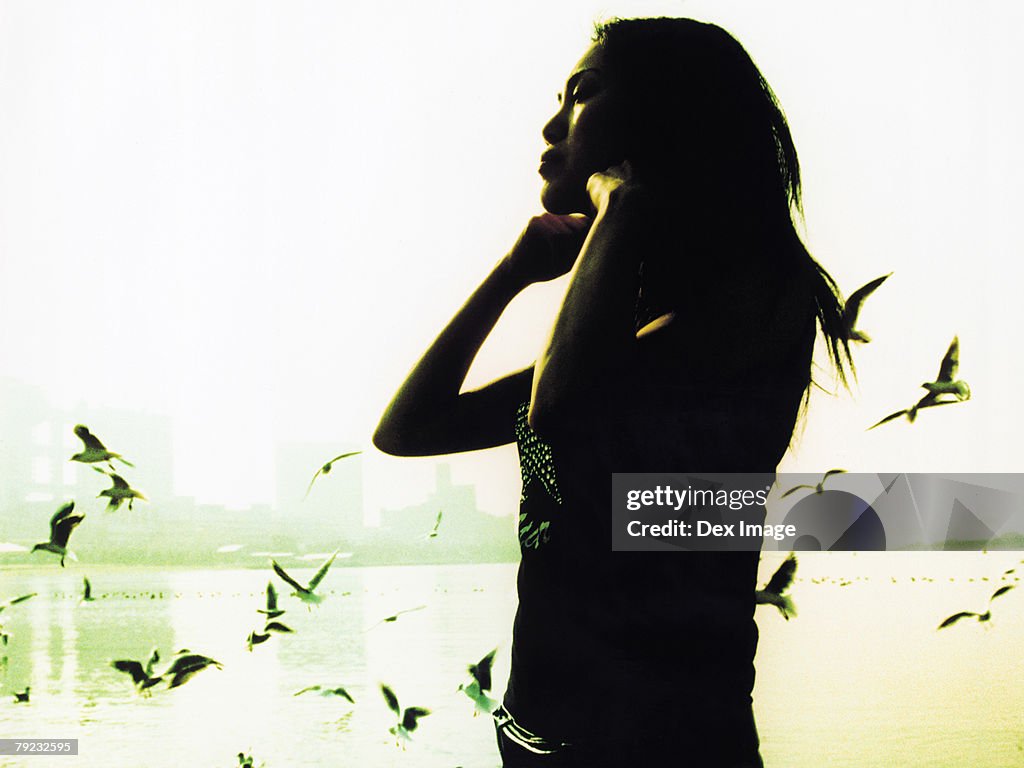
[
  {"x": 37, "y": 441},
  {"x": 465, "y": 534}
]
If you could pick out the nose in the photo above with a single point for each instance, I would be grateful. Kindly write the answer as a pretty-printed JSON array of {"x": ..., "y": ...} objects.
[{"x": 556, "y": 128}]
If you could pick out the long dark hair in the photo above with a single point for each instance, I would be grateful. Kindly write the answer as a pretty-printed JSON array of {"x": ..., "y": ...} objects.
[{"x": 702, "y": 124}]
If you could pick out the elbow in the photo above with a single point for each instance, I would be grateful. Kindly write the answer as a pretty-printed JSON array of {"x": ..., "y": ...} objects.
[
  {"x": 402, "y": 438},
  {"x": 387, "y": 440},
  {"x": 382, "y": 441}
]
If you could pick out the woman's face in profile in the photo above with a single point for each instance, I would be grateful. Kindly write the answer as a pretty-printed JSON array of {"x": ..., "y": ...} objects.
[{"x": 583, "y": 137}]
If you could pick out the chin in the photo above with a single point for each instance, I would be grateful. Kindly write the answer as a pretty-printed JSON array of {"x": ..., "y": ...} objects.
[{"x": 558, "y": 200}]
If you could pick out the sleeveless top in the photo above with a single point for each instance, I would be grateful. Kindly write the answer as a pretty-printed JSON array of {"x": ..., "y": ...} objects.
[
  {"x": 605, "y": 641},
  {"x": 650, "y": 642}
]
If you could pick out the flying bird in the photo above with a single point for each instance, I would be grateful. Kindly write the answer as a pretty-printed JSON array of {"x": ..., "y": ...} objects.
[
  {"x": 945, "y": 384},
  {"x": 186, "y": 665},
  {"x": 481, "y": 671},
  {"x": 62, "y": 524},
  {"x": 981, "y": 617},
  {"x": 119, "y": 492},
  {"x": 852, "y": 309},
  {"x": 407, "y": 719},
  {"x": 142, "y": 676},
  {"x": 256, "y": 638},
  {"x": 95, "y": 450},
  {"x": 819, "y": 488},
  {"x": 325, "y": 691},
  {"x": 774, "y": 592},
  {"x": 326, "y": 468},
  {"x": 271, "y": 611},
  {"x": 928, "y": 401},
  {"x": 305, "y": 593},
  {"x": 5, "y": 636},
  {"x": 15, "y": 601},
  {"x": 394, "y": 617},
  {"x": 477, "y": 688},
  {"x": 437, "y": 524}
]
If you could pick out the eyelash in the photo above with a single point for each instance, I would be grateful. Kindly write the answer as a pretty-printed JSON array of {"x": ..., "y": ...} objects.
[{"x": 577, "y": 94}]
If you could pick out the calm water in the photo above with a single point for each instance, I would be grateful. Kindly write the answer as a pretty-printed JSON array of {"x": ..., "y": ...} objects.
[{"x": 860, "y": 678}]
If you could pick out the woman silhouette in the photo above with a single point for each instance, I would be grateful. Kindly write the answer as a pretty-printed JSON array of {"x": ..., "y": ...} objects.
[{"x": 683, "y": 344}]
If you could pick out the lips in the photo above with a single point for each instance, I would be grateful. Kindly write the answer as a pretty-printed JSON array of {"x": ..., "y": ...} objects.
[{"x": 548, "y": 161}]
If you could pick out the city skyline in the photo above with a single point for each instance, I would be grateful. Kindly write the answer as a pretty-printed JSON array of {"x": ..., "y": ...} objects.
[{"x": 37, "y": 440}]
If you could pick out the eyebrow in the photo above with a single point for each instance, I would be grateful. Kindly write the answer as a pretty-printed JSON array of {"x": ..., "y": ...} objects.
[{"x": 575, "y": 78}]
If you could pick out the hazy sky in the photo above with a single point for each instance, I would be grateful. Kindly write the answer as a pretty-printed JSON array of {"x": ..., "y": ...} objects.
[{"x": 252, "y": 217}]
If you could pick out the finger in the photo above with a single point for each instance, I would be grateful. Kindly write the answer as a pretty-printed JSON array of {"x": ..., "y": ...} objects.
[
  {"x": 550, "y": 222},
  {"x": 557, "y": 224},
  {"x": 577, "y": 222}
]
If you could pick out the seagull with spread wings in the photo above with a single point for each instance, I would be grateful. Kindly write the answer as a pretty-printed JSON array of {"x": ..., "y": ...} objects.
[
  {"x": 945, "y": 384},
  {"x": 408, "y": 719},
  {"x": 187, "y": 664},
  {"x": 394, "y": 617},
  {"x": 5, "y": 636},
  {"x": 255, "y": 638},
  {"x": 271, "y": 611},
  {"x": 119, "y": 492},
  {"x": 15, "y": 600},
  {"x": 477, "y": 688},
  {"x": 306, "y": 593},
  {"x": 852, "y": 309},
  {"x": 437, "y": 524},
  {"x": 325, "y": 691},
  {"x": 326, "y": 468},
  {"x": 62, "y": 524},
  {"x": 981, "y": 617},
  {"x": 142, "y": 676},
  {"x": 94, "y": 451},
  {"x": 774, "y": 592}
]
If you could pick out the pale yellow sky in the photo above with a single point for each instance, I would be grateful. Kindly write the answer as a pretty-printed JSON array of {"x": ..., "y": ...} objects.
[{"x": 252, "y": 217}]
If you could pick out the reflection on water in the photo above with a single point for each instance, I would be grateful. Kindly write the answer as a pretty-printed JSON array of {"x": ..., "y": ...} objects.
[
  {"x": 63, "y": 648},
  {"x": 860, "y": 677}
]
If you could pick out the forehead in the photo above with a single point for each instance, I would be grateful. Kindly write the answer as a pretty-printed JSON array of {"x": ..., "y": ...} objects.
[{"x": 592, "y": 59}]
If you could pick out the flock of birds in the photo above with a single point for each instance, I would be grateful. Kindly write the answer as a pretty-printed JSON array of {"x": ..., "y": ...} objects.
[
  {"x": 775, "y": 593},
  {"x": 946, "y": 389},
  {"x": 65, "y": 519},
  {"x": 185, "y": 663}
]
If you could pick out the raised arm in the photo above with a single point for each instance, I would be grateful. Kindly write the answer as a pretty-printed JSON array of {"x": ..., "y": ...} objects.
[
  {"x": 594, "y": 338},
  {"x": 756, "y": 315},
  {"x": 429, "y": 415}
]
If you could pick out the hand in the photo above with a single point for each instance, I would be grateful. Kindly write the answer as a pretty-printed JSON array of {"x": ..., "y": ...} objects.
[
  {"x": 600, "y": 186},
  {"x": 548, "y": 247}
]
